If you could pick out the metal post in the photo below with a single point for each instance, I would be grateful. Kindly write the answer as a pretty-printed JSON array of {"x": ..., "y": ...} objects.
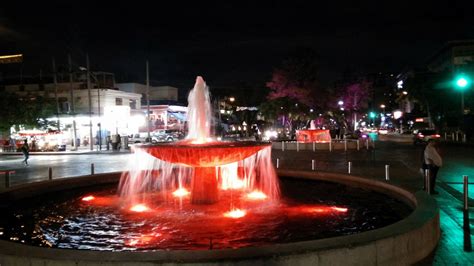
[
  {"x": 278, "y": 163},
  {"x": 427, "y": 181},
  {"x": 50, "y": 173},
  {"x": 55, "y": 81},
  {"x": 349, "y": 166},
  {"x": 312, "y": 165},
  {"x": 445, "y": 136},
  {"x": 457, "y": 136},
  {"x": 358, "y": 145},
  {"x": 466, "y": 192},
  {"x": 73, "y": 109},
  {"x": 330, "y": 145},
  {"x": 314, "y": 146},
  {"x": 7, "y": 179},
  {"x": 92, "y": 169},
  {"x": 148, "y": 103},
  {"x": 297, "y": 146},
  {"x": 464, "y": 138},
  {"x": 367, "y": 143},
  {"x": 387, "y": 172},
  {"x": 98, "y": 115},
  {"x": 452, "y": 136},
  {"x": 345, "y": 144},
  {"x": 91, "y": 143},
  {"x": 282, "y": 145}
]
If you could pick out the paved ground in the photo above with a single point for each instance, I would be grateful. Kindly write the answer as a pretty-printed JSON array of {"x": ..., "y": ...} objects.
[{"x": 399, "y": 153}]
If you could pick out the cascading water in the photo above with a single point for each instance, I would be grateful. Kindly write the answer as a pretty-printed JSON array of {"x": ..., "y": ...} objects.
[
  {"x": 199, "y": 166},
  {"x": 199, "y": 113}
]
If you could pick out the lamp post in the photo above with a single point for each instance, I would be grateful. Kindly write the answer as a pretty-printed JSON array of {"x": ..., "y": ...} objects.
[
  {"x": 90, "y": 102},
  {"x": 90, "y": 74}
]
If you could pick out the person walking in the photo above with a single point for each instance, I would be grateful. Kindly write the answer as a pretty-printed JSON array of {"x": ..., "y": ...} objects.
[
  {"x": 433, "y": 162},
  {"x": 26, "y": 152}
]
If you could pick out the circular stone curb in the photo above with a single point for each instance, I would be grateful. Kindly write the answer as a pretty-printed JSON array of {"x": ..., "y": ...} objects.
[{"x": 402, "y": 243}]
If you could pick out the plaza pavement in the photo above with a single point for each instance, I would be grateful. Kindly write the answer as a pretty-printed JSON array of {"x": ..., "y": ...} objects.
[{"x": 400, "y": 154}]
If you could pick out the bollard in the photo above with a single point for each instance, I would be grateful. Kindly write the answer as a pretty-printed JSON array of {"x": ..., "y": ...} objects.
[
  {"x": 457, "y": 136},
  {"x": 466, "y": 192},
  {"x": 278, "y": 163},
  {"x": 282, "y": 146},
  {"x": 427, "y": 181},
  {"x": 314, "y": 146},
  {"x": 452, "y": 136},
  {"x": 345, "y": 145},
  {"x": 367, "y": 143},
  {"x": 92, "y": 168},
  {"x": 387, "y": 172},
  {"x": 7, "y": 179},
  {"x": 349, "y": 166},
  {"x": 464, "y": 138},
  {"x": 297, "y": 146},
  {"x": 50, "y": 173},
  {"x": 312, "y": 165},
  {"x": 330, "y": 145},
  {"x": 358, "y": 146},
  {"x": 445, "y": 136}
]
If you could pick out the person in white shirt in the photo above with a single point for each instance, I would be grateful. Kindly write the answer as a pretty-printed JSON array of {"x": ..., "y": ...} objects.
[{"x": 433, "y": 161}]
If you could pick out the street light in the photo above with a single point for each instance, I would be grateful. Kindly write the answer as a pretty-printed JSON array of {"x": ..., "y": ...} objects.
[
  {"x": 90, "y": 74},
  {"x": 383, "y": 107},
  {"x": 462, "y": 82}
]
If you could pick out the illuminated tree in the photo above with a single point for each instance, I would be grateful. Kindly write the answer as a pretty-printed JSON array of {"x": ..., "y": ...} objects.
[{"x": 292, "y": 90}]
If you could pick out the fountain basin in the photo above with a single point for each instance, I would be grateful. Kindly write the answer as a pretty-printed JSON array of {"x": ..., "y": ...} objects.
[
  {"x": 205, "y": 154},
  {"x": 403, "y": 242}
]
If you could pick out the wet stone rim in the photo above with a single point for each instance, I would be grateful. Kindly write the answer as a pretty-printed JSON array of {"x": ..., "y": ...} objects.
[{"x": 404, "y": 242}]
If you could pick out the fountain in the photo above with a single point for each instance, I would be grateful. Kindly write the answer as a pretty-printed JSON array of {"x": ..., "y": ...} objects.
[
  {"x": 211, "y": 202},
  {"x": 212, "y": 164}
]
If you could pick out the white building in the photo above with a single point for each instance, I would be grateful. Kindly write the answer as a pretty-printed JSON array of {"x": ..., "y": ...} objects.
[
  {"x": 106, "y": 108},
  {"x": 157, "y": 93}
]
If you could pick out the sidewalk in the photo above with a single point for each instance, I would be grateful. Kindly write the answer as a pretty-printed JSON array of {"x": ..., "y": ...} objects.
[
  {"x": 403, "y": 171},
  {"x": 69, "y": 150}
]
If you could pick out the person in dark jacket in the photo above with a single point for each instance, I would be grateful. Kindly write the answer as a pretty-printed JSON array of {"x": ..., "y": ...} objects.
[{"x": 26, "y": 152}]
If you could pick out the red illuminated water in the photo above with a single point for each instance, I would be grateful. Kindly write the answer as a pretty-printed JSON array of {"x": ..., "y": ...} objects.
[{"x": 308, "y": 210}]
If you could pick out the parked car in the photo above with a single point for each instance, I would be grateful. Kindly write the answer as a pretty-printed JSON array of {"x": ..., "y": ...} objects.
[
  {"x": 141, "y": 137},
  {"x": 422, "y": 136},
  {"x": 167, "y": 135}
]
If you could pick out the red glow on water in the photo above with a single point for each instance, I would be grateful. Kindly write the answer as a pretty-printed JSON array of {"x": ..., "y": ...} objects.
[
  {"x": 317, "y": 209},
  {"x": 320, "y": 209},
  {"x": 181, "y": 192},
  {"x": 235, "y": 213},
  {"x": 256, "y": 195},
  {"x": 143, "y": 240},
  {"x": 88, "y": 198},
  {"x": 139, "y": 208}
]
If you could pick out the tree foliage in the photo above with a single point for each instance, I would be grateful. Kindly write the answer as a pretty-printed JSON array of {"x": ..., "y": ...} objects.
[
  {"x": 28, "y": 111},
  {"x": 292, "y": 89},
  {"x": 356, "y": 96}
]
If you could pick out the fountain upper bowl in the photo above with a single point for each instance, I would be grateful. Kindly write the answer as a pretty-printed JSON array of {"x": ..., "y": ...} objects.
[{"x": 208, "y": 154}]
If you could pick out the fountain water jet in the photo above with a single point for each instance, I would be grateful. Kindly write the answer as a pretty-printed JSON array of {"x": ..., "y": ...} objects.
[{"x": 199, "y": 162}]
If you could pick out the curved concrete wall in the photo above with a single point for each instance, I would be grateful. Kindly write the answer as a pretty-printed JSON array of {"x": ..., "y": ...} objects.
[{"x": 402, "y": 243}]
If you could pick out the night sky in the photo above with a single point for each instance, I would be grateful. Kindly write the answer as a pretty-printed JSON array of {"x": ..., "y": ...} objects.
[{"x": 230, "y": 43}]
